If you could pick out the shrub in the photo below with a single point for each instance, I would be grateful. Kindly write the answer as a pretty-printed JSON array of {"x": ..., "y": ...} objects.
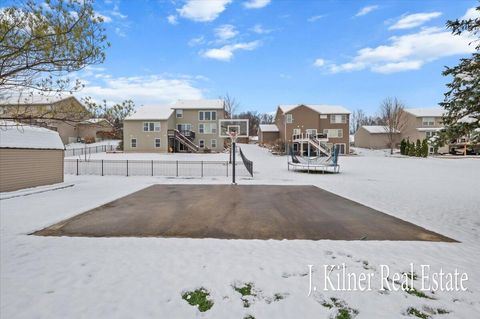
[
  {"x": 89, "y": 139},
  {"x": 418, "y": 148},
  {"x": 424, "y": 148},
  {"x": 403, "y": 146},
  {"x": 411, "y": 149}
]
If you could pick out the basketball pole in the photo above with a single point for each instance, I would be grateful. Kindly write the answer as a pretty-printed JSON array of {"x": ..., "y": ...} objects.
[{"x": 233, "y": 162}]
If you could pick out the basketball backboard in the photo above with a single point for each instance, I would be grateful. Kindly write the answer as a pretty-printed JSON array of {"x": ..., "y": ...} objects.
[{"x": 238, "y": 125}]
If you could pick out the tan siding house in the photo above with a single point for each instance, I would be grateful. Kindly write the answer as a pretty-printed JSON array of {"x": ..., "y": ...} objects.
[
  {"x": 75, "y": 121},
  {"x": 186, "y": 126},
  {"x": 29, "y": 157},
  {"x": 268, "y": 133},
  {"x": 374, "y": 137}
]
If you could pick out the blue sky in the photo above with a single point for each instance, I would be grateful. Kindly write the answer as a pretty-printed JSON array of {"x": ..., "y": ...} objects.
[{"x": 265, "y": 53}]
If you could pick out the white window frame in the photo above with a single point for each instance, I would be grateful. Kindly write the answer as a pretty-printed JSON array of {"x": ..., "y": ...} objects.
[
  {"x": 338, "y": 119},
  {"x": 297, "y": 131},
  {"x": 428, "y": 121},
  {"x": 213, "y": 143},
  {"x": 207, "y": 128},
  {"x": 179, "y": 114},
  {"x": 211, "y": 114},
  {"x": 289, "y": 118},
  {"x": 330, "y": 135},
  {"x": 308, "y": 132},
  {"x": 131, "y": 142},
  {"x": 151, "y": 126},
  {"x": 323, "y": 116},
  {"x": 344, "y": 148},
  {"x": 200, "y": 142},
  {"x": 185, "y": 124},
  {"x": 155, "y": 142}
]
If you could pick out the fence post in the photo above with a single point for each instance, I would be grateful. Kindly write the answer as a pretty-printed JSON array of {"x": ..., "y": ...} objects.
[
  {"x": 202, "y": 169},
  {"x": 152, "y": 167},
  {"x": 77, "y": 166},
  {"x": 127, "y": 168},
  {"x": 227, "y": 168},
  {"x": 177, "y": 168},
  {"x": 102, "y": 167}
]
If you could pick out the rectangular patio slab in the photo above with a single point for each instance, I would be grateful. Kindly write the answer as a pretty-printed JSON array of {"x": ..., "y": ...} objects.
[{"x": 239, "y": 212}]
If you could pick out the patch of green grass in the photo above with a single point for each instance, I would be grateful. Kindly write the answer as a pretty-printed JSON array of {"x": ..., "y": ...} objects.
[
  {"x": 417, "y": 313},
  {"x": 343, "y": 314},
  {"x": 278, "y": 296},
  {"x": 327, "y": 305},
  {"x": 245, "y": 290},
  {"x": 198, "y": 298},
  {"x": 415, "y": 292},
  {"x": 411, "y": 275}
]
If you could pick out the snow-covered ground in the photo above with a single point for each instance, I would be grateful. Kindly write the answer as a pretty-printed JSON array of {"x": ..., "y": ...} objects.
[
  {"x": 158, "y": 156},
  {"x": 56, "y": 277}
]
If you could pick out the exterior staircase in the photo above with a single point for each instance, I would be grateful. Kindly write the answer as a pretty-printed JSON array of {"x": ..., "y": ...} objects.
[
  {"x": 318, "y": 141},
  {"x": 182, "y": 139},
  {"x": 320, "y": 145}
]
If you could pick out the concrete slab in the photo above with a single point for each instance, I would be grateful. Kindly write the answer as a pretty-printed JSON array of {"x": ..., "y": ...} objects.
[{"x": 239, "y": 212}]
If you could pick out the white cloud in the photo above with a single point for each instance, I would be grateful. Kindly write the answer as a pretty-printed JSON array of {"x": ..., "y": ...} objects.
[
  {"x": 196, "y": 41},
  {"x": 407, "y": 52},
  {"x": 366, "y": 10},
  {"x": 414, "y": 20},
  {"x": 225, "y": 53},
  {"x": 203, "y": 11},
  {"x": 471, "y": 13},
  {"x": 172, "y": 19},
  {"x": 225, "y": 32},
  {"x": 116, "y": 12},
  {"x": 256, "y": 4},
  {"x": 315, "y": 18},
  {"x": 120, "y": 32},
  {"x": 258, "y": 28},
  {"x": 319, "y": 63},
  {"x": 153, "y": 89}
]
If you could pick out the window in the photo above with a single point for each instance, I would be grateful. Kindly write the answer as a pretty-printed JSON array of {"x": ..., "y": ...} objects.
[
  {"x": 179, "y": 113},
  {"x": 429, "y": 134},
  {"x": 296, "y": 131},
  {"x": 323, "y": 116},
  {"x": 311, "y": 132},
  {"x": 133, "y": 142},
  {"x": 428, "y": 121},
  {"x": 207, "y": 115},
  {"x": 201, "y": 143},
  {"x": 338, "y": 118},
  {"x": 207, "y": 128},
  {"x": 157, "y": 143},
  {"x": 333, "y": 133},
  {"x": 289, "y": 118},
  {"x": 213, "y": 143},
  {"x": 184, "y": 127},
  {"x": 151, "y": 126}
]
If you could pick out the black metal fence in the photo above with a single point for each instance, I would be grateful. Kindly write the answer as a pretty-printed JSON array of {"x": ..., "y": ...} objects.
[
  {"x": 89, "y": 150},
  {"x": 248, "y": 163},
  {"x": 152, "y": 168}
]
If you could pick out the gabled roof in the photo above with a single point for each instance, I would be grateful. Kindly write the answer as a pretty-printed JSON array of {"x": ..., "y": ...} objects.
[
  {"x": 151, "y": 112},
  {"x": 94, "y": 121},
  {"x": 36, "y": 100},
  {"x": 319, "y": 108},
  {"x": 426, "y": 112},
  {"x": 199, "y": 104},
  {"x": 15, "y": 135},
  {"x": 376, "y": 129},
  {"x": 268, "y": 128}
]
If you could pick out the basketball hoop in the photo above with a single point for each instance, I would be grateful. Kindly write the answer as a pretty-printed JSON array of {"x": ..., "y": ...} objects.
[{"x": 233, "y": 136}]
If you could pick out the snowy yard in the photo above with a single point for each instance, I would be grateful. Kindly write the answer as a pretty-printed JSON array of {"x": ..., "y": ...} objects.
[{"x": 66, "y": 277}]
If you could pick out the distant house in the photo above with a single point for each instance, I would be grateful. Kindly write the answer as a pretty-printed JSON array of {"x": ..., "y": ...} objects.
[
  {"x": 29, "y": 156},
  {"x": 374, "y": 137},
  {"x": 268, "y": 133},
  {"x": 419, "y": 123},
  {"x": 305, "y": 125},
  {"x": 67, "y": 116},
  {"x": 186, "y": 126}
]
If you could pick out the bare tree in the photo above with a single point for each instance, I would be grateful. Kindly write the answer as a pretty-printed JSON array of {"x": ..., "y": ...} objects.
[
  {"x": 267, "y": 118},
  {"x": 230, "y": 105},
  {"x": 357, "y": 119},
  {"x": 394, "y": 119}
]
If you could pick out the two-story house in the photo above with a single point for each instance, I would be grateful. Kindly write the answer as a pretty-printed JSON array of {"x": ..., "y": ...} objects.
[
  {"x": 186, "y": 126},
  {"x": 299, "y": 124},
  {"x": 65, "y": 115}
]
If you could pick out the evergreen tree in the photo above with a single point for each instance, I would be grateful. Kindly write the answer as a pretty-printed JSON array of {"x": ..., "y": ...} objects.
[
  {"x": 407, "y": 147},
  {"x": 424, "y": 148},
  {"x": 418, "y": 148},
  {"x": 462, "y": 100},
  {"x": 402, "y": 147},
  {"x": 411, "y": 149}
]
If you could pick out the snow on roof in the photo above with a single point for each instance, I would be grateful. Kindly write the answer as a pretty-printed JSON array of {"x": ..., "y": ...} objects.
[
  {"x": 268, "y": 128},
  {"x": 423, "y": 112},
  {"x": 429, "y": 129},
  {"x": 33, "y": 99},
  {"x": 95, "y": 121},
  {"x": 198, "y": 104},
  {"x": 320, "y": 108},
  {"x": 152, "y": 112},
  {"x": 15, "y": 135},
  {"x": 376, "y": 129}
]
